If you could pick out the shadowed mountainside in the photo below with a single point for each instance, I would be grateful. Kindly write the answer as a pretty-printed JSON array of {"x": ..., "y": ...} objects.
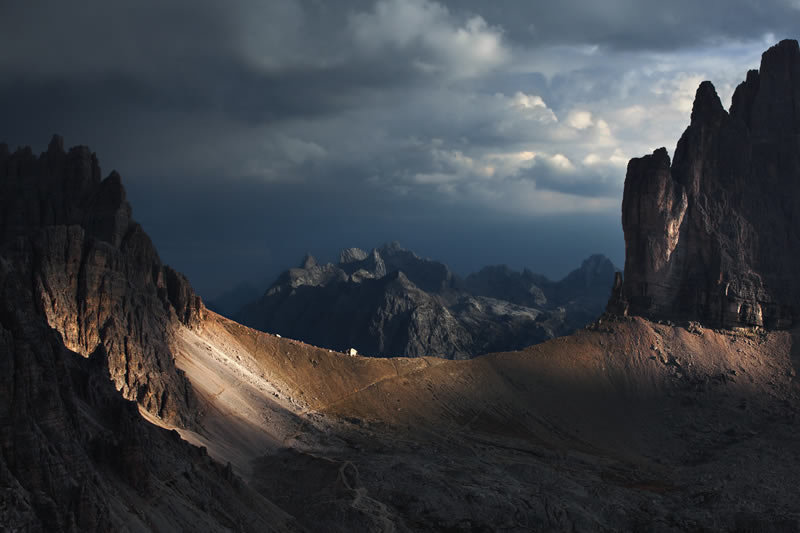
[
  {"x": 629, "y": 426},
  {"x": 93, "y": 272},
  {"x": 87, "y": 313},
  {"x": 390, "y": 302}
]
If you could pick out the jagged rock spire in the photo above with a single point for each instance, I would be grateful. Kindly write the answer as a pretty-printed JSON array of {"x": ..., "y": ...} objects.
[{"x": 712, "y": 235}]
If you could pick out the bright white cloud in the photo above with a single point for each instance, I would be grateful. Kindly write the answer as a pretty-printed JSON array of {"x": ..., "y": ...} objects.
[
  {"x": 632, "y": 116},
  {"x": 561, "y": 162},
  {"x": 528, "y": 107},
  {"x": 580, "y": 120},
  {"x": 443, "y": 44},
  {"x": 680, "y": 90},
  {"x": 521, "y": 100},
  {"x": 616, "y": 158}
]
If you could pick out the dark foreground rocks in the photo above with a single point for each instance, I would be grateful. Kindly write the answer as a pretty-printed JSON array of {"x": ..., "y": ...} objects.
[{"x": 86, "y": 311}]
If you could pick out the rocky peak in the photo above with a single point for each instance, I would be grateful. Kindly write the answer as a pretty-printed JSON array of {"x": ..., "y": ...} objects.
[
  {"x": 58, "y": 188},
  {"x": 370, "y": 267},
  {"x": 352, "y": 255},
  {"x": 308, "y": 262},
  {"x": 709, "y": 236},
  {"x": 707, "y": 106},
  {"x": 744, "y": 97},
  {"x": 777, "y": 98},
  {"x": 356, "y": 265},
  {"x": 71, "y": 234},
  {"x": 391, "y": 302},
  {"x": 593, "y": 267},
  {"x": 503, "y": 283},
  {"x": 87, "y": 318},
  {"x": 56, "y": 147},
  {"x": 428, "y": 275},
  {"x": 393, "y": 246}
]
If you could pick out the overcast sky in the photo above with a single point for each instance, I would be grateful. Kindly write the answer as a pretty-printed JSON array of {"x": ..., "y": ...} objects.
[{"x": 249, "y": 132}]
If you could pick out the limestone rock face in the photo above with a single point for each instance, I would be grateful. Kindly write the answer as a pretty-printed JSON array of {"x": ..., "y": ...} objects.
[
  {"x": 95, "y": 274},
  {"x": 351, "y": 255},
  {"x": 86, "y": 314},
  {"x": 391, "y": 302},
  {"x": 713, "y": 234},
  {"x": 75, "y": 456}
]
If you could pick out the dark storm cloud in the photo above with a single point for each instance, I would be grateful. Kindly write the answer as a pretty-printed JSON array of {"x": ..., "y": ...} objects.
[
  {"x": 194, "y": 53},
  {"x": 637, "y": 24},
  {"x": 95, "y": 38},
  {"x": 255, "y": 96},
  {"x": 264, "y": 129},
  {"x": 159, "y": 55}
]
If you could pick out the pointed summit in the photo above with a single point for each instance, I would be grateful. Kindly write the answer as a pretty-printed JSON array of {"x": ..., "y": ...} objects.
[
  {"x": 706, "y": 103},
  {"x": 56, "y": 145},
  {"x": 744, "y": 96},
  {"x": 308, "y": 262},
  {"x": 781, "y": 58},
  {"x": 711, "y": 237},
  {"x": 776, "y": 107},
  {"x": 352, "y": 255}
]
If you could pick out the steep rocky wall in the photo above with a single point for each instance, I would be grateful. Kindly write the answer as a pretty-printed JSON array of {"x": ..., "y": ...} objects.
[
  {"x": 713, "y": 235},
  {"x": 95, "y": 274},
  {"x": 75, "y": 456}
]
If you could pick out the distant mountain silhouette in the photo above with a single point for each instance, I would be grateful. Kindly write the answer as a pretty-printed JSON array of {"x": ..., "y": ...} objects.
[
  {"x": 231, "y": 301},
  {"x": 391, "y": 302}
]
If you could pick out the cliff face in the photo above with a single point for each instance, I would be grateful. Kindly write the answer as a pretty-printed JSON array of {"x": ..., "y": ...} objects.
[
  {"x": 75, "y": 456},
  {"x": 84, "y": 298},
  {"x": 94, "y": 274},
  {"x": 713, "y": 235}
]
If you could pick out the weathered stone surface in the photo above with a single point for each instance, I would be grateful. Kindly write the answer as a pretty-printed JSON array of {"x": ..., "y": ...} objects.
[
  {"x": 391, "y": 302},
  {"x": 500, "y": 282},
  {"x": 95, "y": 274},
  {"x": 712, "y": 236},
  {"x": 76, "y": 456},
  {"x": 351, "y": 255},
  {"x": 86, "y": 314}
]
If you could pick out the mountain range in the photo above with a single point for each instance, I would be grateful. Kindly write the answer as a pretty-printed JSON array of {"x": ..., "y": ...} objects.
[{"x": 390, "y": 302}]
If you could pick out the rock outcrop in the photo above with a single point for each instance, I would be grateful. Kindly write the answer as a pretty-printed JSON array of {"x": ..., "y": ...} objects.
[
  {"x": 94, "y": 273},
  {"x": 86, "y": 313},
  {"x": 582, "y": 293},
  {"x": 390, "y": 302},
  {"x": 713, "y": 235}
]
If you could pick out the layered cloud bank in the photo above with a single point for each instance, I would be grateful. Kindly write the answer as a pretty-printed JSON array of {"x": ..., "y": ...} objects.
[{"x": 386, "y": 107}]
